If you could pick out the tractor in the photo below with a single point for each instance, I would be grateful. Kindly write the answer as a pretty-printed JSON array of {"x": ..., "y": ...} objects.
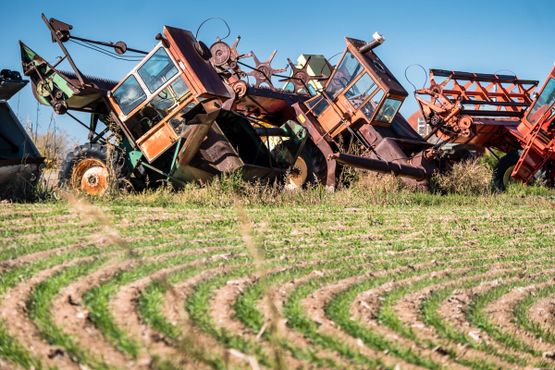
[{"x": 171, "y": 119}]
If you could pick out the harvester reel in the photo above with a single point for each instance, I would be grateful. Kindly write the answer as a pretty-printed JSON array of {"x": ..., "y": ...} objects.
[
  {"x": 300, "y": 77},
  {"x": 264, "y": 71}
]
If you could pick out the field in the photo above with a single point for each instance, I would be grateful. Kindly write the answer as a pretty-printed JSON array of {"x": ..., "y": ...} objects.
[{"x": 344, "y": 280}]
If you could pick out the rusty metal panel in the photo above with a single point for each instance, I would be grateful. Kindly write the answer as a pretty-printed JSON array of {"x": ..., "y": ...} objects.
[
  {"x": 202, "y": 78},
  {"x": 157, "y": 141}
]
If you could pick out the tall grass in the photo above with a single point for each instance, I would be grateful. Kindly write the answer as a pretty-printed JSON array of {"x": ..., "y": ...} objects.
[
  {"x": 472, "y": 177},
  {"x": 370, "y": 190}
]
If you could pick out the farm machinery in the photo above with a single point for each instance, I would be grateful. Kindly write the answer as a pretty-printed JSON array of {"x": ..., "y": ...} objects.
[
  {"x": 189, "y": 112},
  {"x": 20, "y": 161},
  {"x": 494, "y": 112}
]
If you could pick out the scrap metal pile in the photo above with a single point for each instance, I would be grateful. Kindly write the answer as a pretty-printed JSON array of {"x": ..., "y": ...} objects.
[{"x": 189, "y": 112}]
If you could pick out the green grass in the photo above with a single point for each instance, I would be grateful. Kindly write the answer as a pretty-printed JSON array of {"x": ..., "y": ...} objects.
[
  {"x": 523, "y": 319},
  {"x": 379, "y": 236},
  {"x": 39, "y": 307}
]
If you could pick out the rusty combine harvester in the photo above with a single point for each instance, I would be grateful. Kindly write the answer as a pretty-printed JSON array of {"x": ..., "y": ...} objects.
[
  {"x": 20, "y": 161},
  {"x": 187, "y": 112},
  {"x": 488, "y": 111}
]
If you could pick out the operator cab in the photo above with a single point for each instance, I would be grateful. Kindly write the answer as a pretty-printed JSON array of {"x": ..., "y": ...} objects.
[
  {"x": 360, "y": 89},
  {"x": 154, "y": 101},
  {"x": 544, "y": 102}
]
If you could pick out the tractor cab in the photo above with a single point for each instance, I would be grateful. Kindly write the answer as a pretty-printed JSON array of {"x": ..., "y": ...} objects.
[
  {"x": 544, "y": 103},
  {"x": 360, "y": 90},
  {"x": 537, "y": 134},
  {"x": 358, "y": 109},
  {"x": 154, "y": 101}
]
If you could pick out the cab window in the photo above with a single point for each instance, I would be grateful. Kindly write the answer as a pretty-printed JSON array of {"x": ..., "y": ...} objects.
[
  {"x": 157, "y": 108},
  {"x": 129, "y": 95},
  {"x": 361, "y": 90},
  {"x": 388, "y": 111},
  {"x": 348, "y": 70},
  {"x": 317, "y": 105},
  {"x": 544, "y": 101},
  {"x": 169, "y": 97},
  {"x": 369, "y": 108},
  {"x": 157, "y": 70}
]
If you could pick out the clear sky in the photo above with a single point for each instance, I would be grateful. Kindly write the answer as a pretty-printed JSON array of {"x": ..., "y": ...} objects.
[{"x": 478, "y": 36}]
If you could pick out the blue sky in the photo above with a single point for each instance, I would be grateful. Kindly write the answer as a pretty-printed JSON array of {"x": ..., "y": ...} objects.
[{"x": 479, "y": 36}]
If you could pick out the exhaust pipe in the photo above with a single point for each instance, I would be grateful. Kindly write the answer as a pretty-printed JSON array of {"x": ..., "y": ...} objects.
[
  {"x": 378, "y": 39},
  {"x": 377, "y": 165}
]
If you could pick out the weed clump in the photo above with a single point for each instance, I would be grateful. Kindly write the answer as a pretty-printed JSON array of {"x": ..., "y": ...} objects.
[{"x": 471, "y": 177}]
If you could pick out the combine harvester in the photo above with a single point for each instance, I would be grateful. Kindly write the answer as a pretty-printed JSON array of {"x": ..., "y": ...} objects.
[
  {"x": 483, "y": 112},
  {"x": 20, "y": 161},
  {"x": 187, "y": 112}
]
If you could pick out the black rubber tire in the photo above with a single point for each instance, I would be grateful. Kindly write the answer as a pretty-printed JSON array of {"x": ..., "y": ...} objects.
[
  {"x": 505, "y": 164},
  {"x": 117, "y": 165},
  {"x": 316, "y": 163}
]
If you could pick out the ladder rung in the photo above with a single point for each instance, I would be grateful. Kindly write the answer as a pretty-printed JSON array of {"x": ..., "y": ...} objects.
[
  {"x": 492, "y": 113},
  {"x": 496, "y": 103},
  {"x": 482, "y": 77}
]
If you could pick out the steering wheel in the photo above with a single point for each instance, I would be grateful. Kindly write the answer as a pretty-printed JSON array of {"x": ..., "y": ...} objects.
[{"x": 150, "y": 115}]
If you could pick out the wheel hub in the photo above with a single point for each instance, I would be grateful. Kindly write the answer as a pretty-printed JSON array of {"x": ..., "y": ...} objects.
[
  {"x": 91, "y": 176},
  {"x": 298, "y": 174}
]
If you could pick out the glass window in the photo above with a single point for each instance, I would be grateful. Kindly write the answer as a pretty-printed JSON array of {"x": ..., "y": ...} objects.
[
  {"x": 318, "y": 105},
  {"x": 389, "y": 110},
  {"x": 289, "y": 87},
  {"x": 178, "y": 121},
  {"x": 158, "y": 70},
  {"x": 129, "y": 95},
  {"x": 370, "y": 107},
  {"x": 361, "y": 90},
  {"x": 544, "y": 101},
  {"x": 348, "y": 69},
  {"x": 169, "y": 97}
]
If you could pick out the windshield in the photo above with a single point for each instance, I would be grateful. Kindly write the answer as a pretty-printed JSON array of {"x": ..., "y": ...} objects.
[
  {"x": 129, "y": 95},
  {"x": 344, "y": 74},
  {"x": 158, "y": 70}
]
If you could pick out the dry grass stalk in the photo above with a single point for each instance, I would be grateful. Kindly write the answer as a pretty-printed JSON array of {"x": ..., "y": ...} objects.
[
  {"x": 466, "y": 178},
  {"x": 261, "y": 269}
]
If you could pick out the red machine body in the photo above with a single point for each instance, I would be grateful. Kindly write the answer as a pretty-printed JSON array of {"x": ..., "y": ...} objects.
[
  {"x": 536, "y": 133},
  {"x": 490, "y": 111}
]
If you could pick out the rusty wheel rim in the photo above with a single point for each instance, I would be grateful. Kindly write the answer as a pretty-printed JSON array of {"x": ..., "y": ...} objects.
[
  {"x": 298, "y": 174},
  {"x": 90, "y": 176},
  {"x": 508, "y": 176}
]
